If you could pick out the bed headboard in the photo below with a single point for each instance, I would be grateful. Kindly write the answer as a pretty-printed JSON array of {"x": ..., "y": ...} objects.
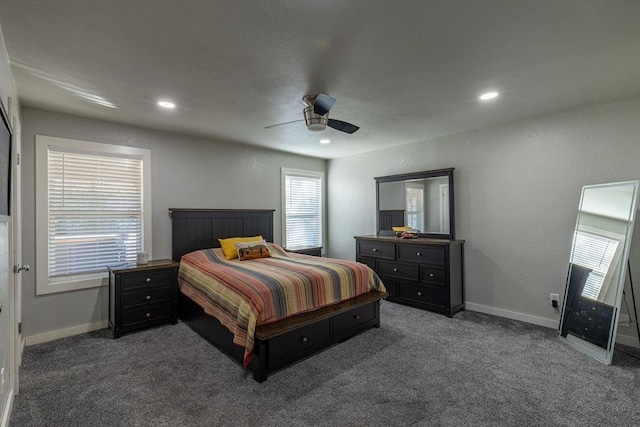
[{"x": 195, "y": 229}]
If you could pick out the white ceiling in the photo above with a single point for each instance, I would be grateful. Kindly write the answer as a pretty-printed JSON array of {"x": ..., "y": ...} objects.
[{"x": 403, "y": 71}]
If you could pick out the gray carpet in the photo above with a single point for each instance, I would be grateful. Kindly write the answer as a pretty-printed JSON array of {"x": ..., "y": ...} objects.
[{"x": 418, "y": 368}]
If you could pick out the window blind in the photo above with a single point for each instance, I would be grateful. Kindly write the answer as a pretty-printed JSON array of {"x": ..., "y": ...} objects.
[
  {"x": 594, "y": 252},
  {"x": 95, "y": 213},
  {"x": 303, "y": 210},
  {"x": 414, "y": 205}
]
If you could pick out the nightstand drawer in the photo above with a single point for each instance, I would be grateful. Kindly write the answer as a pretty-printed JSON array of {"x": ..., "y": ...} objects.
[
  {"x": 402, "y": 271},
  {"x": 302, "y": 339},
  {"x": 149, "y": 297},
  {"x": 133, "y": 282},
  {"x": 146, "y": 314},
  {"x": 376, "y": 250},
  {"x": 352, "y": 318},
  {"x": 415, "y": 253}
]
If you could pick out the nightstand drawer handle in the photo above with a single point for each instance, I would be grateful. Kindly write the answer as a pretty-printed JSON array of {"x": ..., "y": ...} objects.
[
  {"x": 418, "y": 253},
  {"x": 148, "y": 279},
  {"x": 304, "y": 339},
  {"x": 356, "y": 317},
  {"x": 432, "y": 275},
  {"x": 374, "y": 250},
  {"x": 395, "y": 269},
  {"x": 419, "y": 294},
  {"x": 148, "y": 297},
  {"x": 148, "y": 315}
]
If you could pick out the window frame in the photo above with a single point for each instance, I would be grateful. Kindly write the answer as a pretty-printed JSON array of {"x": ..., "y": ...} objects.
[
  {"x": 44, "y": 284},
  {"x": 309, "y": 173}
]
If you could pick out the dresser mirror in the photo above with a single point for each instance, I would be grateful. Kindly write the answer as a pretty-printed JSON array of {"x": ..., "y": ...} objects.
[
  {"x": 420, "y": 201},
  {"x": 597, "y": 267}
]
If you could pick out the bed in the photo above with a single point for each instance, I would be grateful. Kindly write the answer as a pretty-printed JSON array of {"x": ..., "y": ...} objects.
[{"x": 280, "y": 342}]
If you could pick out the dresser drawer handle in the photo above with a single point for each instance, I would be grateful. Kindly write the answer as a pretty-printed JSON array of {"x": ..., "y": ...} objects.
[
  {"x": 304, "y": 339},
  {"x": 395, "y": 269},
  {"x": 148, "y": 297},
  {"x": 432, "y": 275},
  {"x": 356, "y": 317},
  {"x": 418, "y": 253},
  {"x": 374, "y": 250},
  {"x": 148, "y": 315},
  {"x": 419, "y": 294},
  {"x": 148, "y": 280}
]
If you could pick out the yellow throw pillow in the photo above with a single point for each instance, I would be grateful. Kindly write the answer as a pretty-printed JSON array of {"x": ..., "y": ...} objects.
[{"x": 229, "y": 248}]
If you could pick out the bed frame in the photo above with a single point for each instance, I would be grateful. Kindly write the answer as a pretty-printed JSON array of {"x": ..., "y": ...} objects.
[{"x": 280, "y": 343}]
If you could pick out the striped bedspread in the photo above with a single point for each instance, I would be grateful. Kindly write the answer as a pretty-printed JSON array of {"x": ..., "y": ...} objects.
[{"x": 245, "y": 294}]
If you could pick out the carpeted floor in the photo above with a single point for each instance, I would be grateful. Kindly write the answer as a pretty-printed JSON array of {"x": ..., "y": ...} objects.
[{"x": 418, "y": 368}]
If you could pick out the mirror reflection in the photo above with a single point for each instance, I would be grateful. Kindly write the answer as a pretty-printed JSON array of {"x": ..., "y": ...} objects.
[
  {"x": 597, "y": 267},
  {"x": 420, "y": 202}
]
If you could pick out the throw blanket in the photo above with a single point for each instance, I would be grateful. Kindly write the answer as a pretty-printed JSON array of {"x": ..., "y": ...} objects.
[{"x": 245, "y": 294}]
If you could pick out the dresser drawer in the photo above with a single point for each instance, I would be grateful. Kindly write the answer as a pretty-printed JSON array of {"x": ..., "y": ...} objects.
[
  {"x": 432, "y": 275},
  {"x": 132, "y": 282},
  {"x": 394, "y": 269},
  {"x": 151, "y": 296},
  {"x": 352, "y": 318},
  {"x": 423, "y": 294},
  {"x": 305, "y": 338},
  {"x": 422, "y": 254},
  {"x": 146, "y": 314},
  {"x": 371, "y": 262},
  {"x": 376, "y": 250}
]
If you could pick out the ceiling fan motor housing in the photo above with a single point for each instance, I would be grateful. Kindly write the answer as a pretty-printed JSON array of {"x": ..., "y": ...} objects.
[{"x": 314, "y": 122}]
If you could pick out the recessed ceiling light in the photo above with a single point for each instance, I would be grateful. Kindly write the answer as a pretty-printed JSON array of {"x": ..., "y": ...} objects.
[
  {"x": 166, "y": 104},
  {"x": 324, "y": 141},
  {"x": 489, "y": 95}
]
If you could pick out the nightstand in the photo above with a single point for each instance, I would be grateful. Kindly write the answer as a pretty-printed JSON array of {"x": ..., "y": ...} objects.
[
  {"x": 141, "y": 296},
  {"x": 307, "y": 251}
]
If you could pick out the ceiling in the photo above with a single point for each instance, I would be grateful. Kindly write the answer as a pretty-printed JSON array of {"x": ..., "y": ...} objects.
[{"x": 402, "y": 71}]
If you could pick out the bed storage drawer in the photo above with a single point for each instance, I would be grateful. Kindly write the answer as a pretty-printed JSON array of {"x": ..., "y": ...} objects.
[
  {"x": 292, "y": 343},
  {"x": 353, "y": 318}
]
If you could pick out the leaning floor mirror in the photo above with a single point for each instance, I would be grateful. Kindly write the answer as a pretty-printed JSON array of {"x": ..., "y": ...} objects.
[{"x": 597, "y": 267}]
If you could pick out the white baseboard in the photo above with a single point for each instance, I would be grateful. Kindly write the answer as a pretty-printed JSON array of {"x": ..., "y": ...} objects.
[
  {"x": 541, "y": 321},
  {"x": 63, "y": 333},
  {"x": 6, "y": 410}
]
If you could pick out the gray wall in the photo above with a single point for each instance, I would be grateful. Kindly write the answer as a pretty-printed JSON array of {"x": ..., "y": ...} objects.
[
  {"x": 186, "y": 171},
  {"x": 517, "y": 189}
]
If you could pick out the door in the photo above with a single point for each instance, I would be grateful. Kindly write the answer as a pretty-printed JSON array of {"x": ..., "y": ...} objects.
[{"x": 16, "y": 223}]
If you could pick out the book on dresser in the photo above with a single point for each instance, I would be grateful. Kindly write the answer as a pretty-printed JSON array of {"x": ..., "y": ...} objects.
[{"x": 421, "y": 272}]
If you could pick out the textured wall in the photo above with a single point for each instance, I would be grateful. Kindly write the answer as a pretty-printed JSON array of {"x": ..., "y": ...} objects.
[
  {"x": 517, "y": 189},
  {"x": 186, "y": 172}
]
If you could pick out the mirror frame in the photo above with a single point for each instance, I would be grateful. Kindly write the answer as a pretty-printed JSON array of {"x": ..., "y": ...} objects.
[
  {"x": 601, "y": 354},
  {"x": 421, "y": 175}
]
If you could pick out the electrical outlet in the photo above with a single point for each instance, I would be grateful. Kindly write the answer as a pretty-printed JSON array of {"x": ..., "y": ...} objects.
[{"x": 556, "y": 298}]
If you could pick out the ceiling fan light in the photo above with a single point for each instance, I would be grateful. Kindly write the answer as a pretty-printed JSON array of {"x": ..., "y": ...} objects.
[{"x": 316, "y": 127}]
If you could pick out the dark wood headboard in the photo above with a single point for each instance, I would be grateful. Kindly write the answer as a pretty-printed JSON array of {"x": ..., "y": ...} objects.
[{"x": 195, "y": 229}]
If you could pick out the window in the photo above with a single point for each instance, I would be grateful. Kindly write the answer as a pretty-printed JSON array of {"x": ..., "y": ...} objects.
[
  {"x": 302, "y": 208},
  {"x": 92, "y": 210},
  {"x": 415, "y": 205},
  {"x": 594, "y": 252}
]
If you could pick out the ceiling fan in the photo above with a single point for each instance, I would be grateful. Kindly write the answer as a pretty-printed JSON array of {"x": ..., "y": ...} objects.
[{"x": 316, "y": 115}]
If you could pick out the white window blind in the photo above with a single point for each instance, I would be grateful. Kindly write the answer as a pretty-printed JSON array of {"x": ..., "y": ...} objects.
[
  {"x": 95, "y": 212},
  {"x": 594, "y": 252},
  {"x": 415, "y": 205},
  {"x": 302, "y": 211}
]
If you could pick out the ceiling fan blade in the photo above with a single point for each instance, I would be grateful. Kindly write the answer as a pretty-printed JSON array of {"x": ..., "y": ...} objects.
[
  {"x": 323, "y": 104},
  {"x": 342, "y": 126},
  {"x": 285, "y": 123}
]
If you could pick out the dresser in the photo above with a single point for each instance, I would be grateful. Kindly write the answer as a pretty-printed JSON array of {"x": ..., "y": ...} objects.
[
  {"x": 141, "y": 296},
  {"x": 424, "y": 273}
]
